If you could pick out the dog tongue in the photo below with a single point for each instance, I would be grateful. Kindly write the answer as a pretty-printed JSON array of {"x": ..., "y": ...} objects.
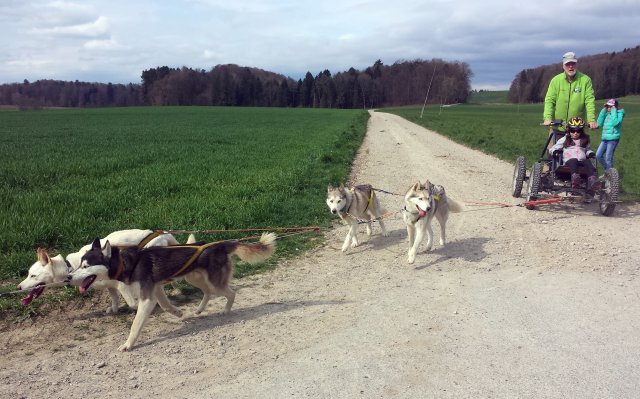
[
  {"x": 86, "y": 283},
  {"x": 33, "y": 294},
  {"x": 421, "y": 213},
  {"x": 27, "y": 299}
]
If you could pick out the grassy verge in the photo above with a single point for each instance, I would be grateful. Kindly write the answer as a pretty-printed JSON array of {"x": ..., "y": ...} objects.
[{"x": 70, "y": 175}]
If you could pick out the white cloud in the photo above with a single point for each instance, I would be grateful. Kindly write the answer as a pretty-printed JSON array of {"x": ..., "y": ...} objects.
[
  {"x": 97, "y": 28},
  {"x": 209, "y": 55},
  {"x": 108, "y": 44},
  {"x": 497, "y": 38}
]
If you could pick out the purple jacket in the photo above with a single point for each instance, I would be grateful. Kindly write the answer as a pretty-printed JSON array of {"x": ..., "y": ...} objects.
[{"x": 575, "y": 150}]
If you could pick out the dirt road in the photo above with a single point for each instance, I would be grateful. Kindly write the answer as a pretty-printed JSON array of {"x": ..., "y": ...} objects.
[{"x": 519, "y": 303}]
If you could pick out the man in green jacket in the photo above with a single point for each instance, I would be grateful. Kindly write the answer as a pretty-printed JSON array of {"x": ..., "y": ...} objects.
[{"x": 570, "y": 94}]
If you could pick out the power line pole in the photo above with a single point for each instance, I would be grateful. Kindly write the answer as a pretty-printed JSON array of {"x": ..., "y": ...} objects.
[{"x": 428, "y": 89}]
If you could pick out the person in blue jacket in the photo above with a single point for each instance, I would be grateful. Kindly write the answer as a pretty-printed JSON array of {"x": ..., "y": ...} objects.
[{"x": 610, "y": 119}]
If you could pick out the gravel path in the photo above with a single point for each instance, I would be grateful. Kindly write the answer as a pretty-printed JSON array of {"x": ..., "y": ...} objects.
[{"x": 518, "y": 303}]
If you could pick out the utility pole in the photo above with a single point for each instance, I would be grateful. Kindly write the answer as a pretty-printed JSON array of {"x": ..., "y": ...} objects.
[{"x": 428, "y": 89}]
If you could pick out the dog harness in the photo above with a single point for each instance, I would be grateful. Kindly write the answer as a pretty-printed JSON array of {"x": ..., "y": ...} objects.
[
  {"x": 150, "y": 237},
  {"x": 370, "y": 200},
  {"x": 141, "y": 245},
  {"x": 362, "y": 187},
  {"x": 194, "y": 256}
]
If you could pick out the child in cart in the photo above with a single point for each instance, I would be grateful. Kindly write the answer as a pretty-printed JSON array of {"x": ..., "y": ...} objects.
[{"x": 575, "y": 150}]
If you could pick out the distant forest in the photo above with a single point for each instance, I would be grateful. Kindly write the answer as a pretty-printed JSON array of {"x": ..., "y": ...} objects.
[
  {"x": 403, "y": 83},
  {"x": 614, "y": 74}
]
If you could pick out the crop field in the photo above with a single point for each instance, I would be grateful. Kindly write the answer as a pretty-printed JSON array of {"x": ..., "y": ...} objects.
[
  {"x": 510, "y": 130},
  {"x": 69, "y": 175}
]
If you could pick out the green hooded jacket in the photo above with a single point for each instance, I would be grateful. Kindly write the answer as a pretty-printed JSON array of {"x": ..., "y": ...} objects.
[{"x": 565, "y": 100}]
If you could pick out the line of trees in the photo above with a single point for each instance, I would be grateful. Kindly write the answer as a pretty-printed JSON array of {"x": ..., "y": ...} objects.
[
  {"x": 614, "y": 74},
  {"x": 403, "y": 83},
  {"x": 57, "y": 93}
]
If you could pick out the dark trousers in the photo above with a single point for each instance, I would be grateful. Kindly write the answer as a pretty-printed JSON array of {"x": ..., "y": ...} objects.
[{"x": 574, "y": 164}]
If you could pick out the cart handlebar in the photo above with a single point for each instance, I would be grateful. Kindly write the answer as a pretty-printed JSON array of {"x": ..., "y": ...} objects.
[{"x": 557, "y": 122}]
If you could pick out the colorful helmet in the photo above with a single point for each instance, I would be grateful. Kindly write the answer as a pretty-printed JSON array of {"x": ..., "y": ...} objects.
[{"x": 576, "y": 123}]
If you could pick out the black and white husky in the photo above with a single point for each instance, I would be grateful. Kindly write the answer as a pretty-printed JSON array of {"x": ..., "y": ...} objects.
[
  {"x": 49, "y": 271},
  {"x": 208, "y": 267},
  {"x": 422, "y": 203}
]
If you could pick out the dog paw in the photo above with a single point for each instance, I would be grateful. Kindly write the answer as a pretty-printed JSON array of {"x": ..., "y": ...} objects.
[
  {"x": 124, "y": 347},
  {"x": 344, "y": 248},
  {"x": 354, "y": 244},
  {"x": 411, "y": 259},
  {"x": 385, "y": 234}
]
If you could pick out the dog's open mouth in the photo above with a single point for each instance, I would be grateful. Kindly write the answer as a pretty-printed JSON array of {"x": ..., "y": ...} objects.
[
  {"x": 33, "y": 294},
  {"x": 86, "y": 283},
  {"x": 421, "y": 213}
]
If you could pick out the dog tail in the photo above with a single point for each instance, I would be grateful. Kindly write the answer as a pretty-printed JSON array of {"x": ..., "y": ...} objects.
[
  {"x": 256, "y": 252},
  {"x": 454, "y": 206}
]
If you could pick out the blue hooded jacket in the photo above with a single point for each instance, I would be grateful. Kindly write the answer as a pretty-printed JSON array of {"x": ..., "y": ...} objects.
[{"x": 611, "y": 123}]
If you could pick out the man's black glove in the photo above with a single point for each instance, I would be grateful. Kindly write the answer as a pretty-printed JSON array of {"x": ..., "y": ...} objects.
[{"x": 557, "y": 153}]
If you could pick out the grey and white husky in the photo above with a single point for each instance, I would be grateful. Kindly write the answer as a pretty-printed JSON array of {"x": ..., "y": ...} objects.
[
  {"x": 352, "y": 204},
  {"x": 208, "y": 267},
  {"x": 422, "y": 203}
]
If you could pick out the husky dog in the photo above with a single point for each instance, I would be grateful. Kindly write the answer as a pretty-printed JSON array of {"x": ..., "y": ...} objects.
[
  {"x": 208, "y": 267},
  {"x": 47, "y": 270},
  {"x": 422, "y": 203},
  {"x": 351, "y": 204}
]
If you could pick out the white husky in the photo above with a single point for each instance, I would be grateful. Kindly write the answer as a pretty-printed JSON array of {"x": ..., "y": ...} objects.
[
  {"x": 49, "y": 270},
  {"x": 422, "y": 203}
]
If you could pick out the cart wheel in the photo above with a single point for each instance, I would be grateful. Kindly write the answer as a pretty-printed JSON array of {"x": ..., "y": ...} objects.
[
  {"x": 609, "y": 192},
  {"x": 518, "y": 177},
  {"x": 533, "y": 184}
]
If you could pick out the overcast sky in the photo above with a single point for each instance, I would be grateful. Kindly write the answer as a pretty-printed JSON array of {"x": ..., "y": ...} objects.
[{"x": 115, "y": 40}]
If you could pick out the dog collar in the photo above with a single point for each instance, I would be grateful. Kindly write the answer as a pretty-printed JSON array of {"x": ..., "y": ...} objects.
[
  {"x": 346, "y": 211},
  {"x": 69, "y": 267},
  {"x": 120, "y": 268},
  {"x": 412, "y": 213}
]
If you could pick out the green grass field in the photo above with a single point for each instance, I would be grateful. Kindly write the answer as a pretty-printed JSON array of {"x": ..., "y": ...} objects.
[
  {"x": 71, "y": 175},
  {"x": 489, "y": 97},
  {"x": 509, "y": 130}
]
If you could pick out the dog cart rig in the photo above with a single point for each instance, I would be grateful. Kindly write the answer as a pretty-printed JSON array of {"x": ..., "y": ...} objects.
[{"x": 550, "y": 177}]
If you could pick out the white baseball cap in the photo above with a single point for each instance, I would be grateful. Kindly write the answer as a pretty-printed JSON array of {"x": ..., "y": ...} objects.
[{"x": 569, "y": 57}]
